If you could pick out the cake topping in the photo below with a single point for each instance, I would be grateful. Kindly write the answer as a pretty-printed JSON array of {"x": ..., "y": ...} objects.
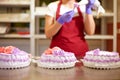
[
  {"x": 48, "y": 51},
  {"x": 2, "y": 49},
  {"x": 96, "y": 51},
  {"x": 56, "y": 48},
  {"x": 9, "y": 50},
  {"x": 58, "y": 52},
  {"x": 54, "y": 51}
]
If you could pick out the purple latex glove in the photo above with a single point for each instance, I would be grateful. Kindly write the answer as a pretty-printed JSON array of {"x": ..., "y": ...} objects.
[
  {"x": 89, "y": 6},
  {"x": 66, "y": 17}
]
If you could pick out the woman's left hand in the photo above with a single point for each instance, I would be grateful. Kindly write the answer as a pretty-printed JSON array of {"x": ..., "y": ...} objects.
[{"x": 89, "y": 6}]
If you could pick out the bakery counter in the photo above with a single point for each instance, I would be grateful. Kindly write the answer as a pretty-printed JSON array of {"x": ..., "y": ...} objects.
[{"x": 77, "y": 73}]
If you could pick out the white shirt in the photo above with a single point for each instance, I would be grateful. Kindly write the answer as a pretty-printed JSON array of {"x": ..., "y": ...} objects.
[{"x": 52, "y": 8}]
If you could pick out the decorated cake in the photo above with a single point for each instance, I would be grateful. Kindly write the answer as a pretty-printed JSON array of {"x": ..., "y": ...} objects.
[
  {"x": 101, "y": 59},
  {"x": 56, "y": 58},
  {"x": 12, "y": 57}
]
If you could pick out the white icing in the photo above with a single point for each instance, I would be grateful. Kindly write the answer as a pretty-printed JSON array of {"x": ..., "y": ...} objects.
[
  {"x": 51, "y": 61},
  {"x": 14, "y": 61}
]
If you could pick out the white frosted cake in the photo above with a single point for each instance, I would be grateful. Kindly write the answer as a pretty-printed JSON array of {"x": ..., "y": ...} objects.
[
  {"x": 57, "y": 58},
  {"x": 12, "y": 57},
  {"x": 101, "y": 59}
]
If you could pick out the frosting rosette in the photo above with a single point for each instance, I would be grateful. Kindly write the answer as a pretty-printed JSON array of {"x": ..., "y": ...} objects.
[
  {"x": 9, "y": 50},
  {"x": 54, "y": 51}
]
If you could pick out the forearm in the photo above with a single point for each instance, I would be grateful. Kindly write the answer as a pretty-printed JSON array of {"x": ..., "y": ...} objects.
[
  {"x": 89, "y": 24},
  {"x": 52, "y": 29}
]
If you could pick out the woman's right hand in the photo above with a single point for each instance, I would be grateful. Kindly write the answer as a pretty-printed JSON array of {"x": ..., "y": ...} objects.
[{"x": 66, "y": 17}]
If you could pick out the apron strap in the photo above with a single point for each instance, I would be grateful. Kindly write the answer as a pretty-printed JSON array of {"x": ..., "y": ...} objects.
[
  {"x": 79, "y": 12},
  {"x": 58, "y": 9}
]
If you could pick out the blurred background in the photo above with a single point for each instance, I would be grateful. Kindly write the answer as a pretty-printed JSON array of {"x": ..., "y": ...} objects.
[{"x": 22, "y": 25}]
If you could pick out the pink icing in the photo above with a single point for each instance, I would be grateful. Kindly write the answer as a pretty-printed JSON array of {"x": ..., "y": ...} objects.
[
  {"x": 9, "y": 50},
  {"x": 14, "y": 60},
  {"x": 103, "y": 61},
  {"x": 96, "y": 51},
  {"x": 55, "y": 51},
  {"x": 48, "y": 51}
]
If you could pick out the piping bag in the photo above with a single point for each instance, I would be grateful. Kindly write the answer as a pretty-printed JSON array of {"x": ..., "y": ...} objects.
[{"x": 97, "y": 7}]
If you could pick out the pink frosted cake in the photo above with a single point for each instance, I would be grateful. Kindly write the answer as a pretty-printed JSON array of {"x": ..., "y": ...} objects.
[
  {"x": 12, "y": 57},
  {"x": 57, "y": 58},
  {"x": 101, "y": 59}
]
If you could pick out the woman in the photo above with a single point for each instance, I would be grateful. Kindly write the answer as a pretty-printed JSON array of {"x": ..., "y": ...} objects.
[{"x": 66, "y": 26}]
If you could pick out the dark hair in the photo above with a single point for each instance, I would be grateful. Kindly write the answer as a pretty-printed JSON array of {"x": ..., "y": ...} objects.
[{"x": 78, "y": 0}]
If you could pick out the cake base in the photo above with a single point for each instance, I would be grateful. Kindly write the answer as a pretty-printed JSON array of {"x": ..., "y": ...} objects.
[
  {"x": 102, "y": 67},
  {"x": 59, "y": 67},
  {"x": 56, "y": 68},
  {"x": 15, "y": 67},
  {"x": 97, "y": 68}
]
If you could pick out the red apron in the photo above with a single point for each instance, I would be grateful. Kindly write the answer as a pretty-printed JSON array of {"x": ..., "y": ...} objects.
[{"x": 71, "y": 35}]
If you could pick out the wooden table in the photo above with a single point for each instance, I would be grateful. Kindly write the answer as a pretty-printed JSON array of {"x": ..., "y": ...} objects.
[{"x": 77, "y": 73}]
